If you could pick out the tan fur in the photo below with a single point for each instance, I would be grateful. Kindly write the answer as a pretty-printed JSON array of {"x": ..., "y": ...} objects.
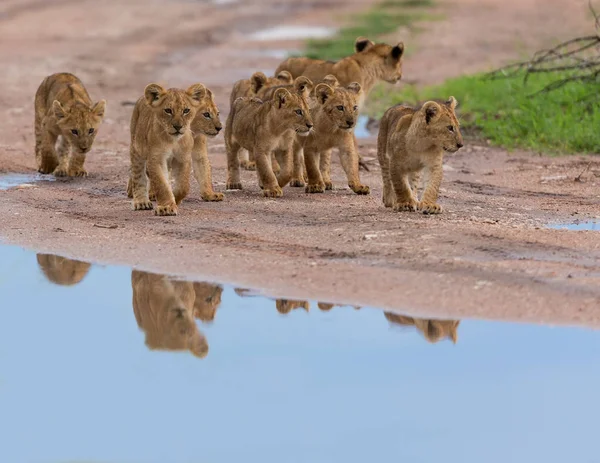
[
  {"x": 412, "y": 141},
  {"x": 64, "y": 113},
  {"x": 285, "y": 306},
  {"x": 264, "y": 128},
  {"x": 326, "y": 306},
  {"x": 62, "y": 271},
  {"x": 371, "y": 62},
  {"x": 433, "y": 330},
  {"x": 164, "y": 310},
  {"x": 208, "y": 299},
  {"x": 161, "y": 137},
  {"x": 249, "y": 88},
  {"x": 334, "y": 114}
]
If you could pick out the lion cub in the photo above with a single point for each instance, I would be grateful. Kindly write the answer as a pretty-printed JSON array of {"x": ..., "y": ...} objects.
[
  {"x": 410, "y": 141},
  {"x": 250, "y": 87},
  {"x": 335, "y": 114},
  {"x": 264, "y": 128},
  {"x": 64, "y": 112},
  {"x": 161, "y": 136}
]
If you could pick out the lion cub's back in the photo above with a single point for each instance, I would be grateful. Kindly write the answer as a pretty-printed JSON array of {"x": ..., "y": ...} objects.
[{"x": 64, "y": 87}]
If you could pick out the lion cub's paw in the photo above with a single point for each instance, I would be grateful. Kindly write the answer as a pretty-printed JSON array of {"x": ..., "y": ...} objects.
[
  {"x": 142, "y": 205},
  {"x": 360, "y": 189},
  {"x": 170, "y": 209},
  {"x": 78, "y": 173},
  {"x": 297, "y": 183},
  {"x": 152, "y": 196},
  {"x": 60, "y": 172},
  {"x": 329, "y": 186},
  {"x": 410, "y": 206},
  {"x": 275, "y": 192},
  {"x": 315, "y": 188},
  {"x": 212, "y": 196},
  {"x": 248, "y": 165},
  {"x": 233, "y": 185},
  {"x": 429, "y": 208}
]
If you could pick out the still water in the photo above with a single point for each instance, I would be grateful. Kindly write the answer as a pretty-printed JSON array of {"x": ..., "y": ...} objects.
[{"x": 112, "y": 365}]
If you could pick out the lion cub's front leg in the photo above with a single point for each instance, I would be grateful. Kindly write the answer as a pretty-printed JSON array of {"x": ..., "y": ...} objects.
[
  {"x": 62, "y": 151},
  {"x": 137, "y": 187},
  {"x": 349, "y": 161},
  {"x": 202, "y": 172},
  {"x": 267, "y": 179},
  {"x": 315, "y": 180},
  {"x": 399, "y": 175},
  {"x": 76, "y": 163},
  {"x": 428, "y": 204},
  {"x": 45, "y": 150}
]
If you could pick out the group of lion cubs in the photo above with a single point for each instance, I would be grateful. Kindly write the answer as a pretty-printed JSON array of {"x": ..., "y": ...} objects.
[{"x": 288, "y": 123}]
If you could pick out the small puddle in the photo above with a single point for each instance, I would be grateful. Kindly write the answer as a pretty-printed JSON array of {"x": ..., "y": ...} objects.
[
  {"x": 110, "y": 351},
  {"x": 577, "y": 225},
  {"x": 361, "y": 130},
  {"x": 15, "y": 180},
  {"x": 292, "y": 33}
]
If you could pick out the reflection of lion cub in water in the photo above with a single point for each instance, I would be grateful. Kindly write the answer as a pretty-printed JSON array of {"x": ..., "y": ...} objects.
[
  {"x": 62, "y": 271},
  {"x": 432, "y": 330},
  {"x": 164, "y": 310},
  {"x": 410, "y": 141},
  {"x": 64, "y": 111}
]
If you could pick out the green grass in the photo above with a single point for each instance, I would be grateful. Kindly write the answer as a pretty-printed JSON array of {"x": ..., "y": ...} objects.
[
  {"x": 566, "y": 120},
  {"x": 382, "y": 19}
]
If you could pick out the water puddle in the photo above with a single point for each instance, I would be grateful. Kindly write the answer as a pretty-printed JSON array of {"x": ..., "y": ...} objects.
[
  {"x": 292, "y": 33},
  {"x": 362, "y": 130},
  {"x": 22, "y": 180},
  {"x": 118, "y": 365},
  {"x": 577, "y": 225}
]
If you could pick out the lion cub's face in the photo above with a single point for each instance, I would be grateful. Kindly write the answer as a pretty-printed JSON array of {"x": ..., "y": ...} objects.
[
  {"x": 292, "y": 111},
  {"x": 442, "y": 126},
  {"x": 79, "y": 123},
  {"x": 389, "y": 57},
  {"x": 340, "y": 104},
  {"x": 207, "y": 119},
  {"x": 433, "y": 330},
  {"x": 174, "y": 108},
  {"x": 259, "y": 81}
]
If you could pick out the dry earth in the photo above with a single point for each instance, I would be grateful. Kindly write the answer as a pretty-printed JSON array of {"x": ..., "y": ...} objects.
[{"x": 489, "y": 256}]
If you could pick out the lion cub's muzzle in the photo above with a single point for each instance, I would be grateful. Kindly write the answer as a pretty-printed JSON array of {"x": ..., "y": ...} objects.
[
  {"x": 304, "y": 132},
  {"x": 453, "y": 149}
]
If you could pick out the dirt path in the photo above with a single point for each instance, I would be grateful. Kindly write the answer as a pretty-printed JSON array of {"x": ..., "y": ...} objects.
[{"x": 488, "y": 256}]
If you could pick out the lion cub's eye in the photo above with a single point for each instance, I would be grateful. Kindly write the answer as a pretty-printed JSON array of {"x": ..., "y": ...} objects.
[
  {"x": 355, "y": 108},
  {"x": 340, "y": 107},
  {"x": 186, "y": 110},
  {"x": 168, "y": 110},
  {"x": 75, "y": 132},
  {"x": 299, "y": 112},
  {"x": 451, "y": 128},
  {"x": 207, "y": 115},
  {"x": 91, "y": 131}
]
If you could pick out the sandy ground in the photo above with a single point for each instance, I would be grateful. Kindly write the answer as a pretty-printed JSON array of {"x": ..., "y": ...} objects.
[{"x": 490, "y": 255}]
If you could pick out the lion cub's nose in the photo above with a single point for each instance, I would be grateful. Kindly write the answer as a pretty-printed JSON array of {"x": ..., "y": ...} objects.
[
  {"x": 218, "y": 129},
  {"x": 459, "y": 145},
  {"x": 177, "y": 127},
  {"x": 310, "y": 126},
  {"x": 350, "y": 123}
]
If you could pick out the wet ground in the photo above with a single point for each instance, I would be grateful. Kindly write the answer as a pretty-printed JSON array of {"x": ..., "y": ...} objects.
[{"x": 84, "y": 377}]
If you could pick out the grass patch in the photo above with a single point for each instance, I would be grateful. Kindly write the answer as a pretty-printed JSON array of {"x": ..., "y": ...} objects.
[
  {"x": 503, "y": 111},
  {"x": 382, "y": 19}
]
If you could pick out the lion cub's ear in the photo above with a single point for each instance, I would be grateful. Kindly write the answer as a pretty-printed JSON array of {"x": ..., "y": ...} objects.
[
  {"x": 99, "y": 108},
  {"x": 58, "y": 109},
  {"x": 431, "y": 109},
  {"x": 303, "y": 86},
  {"x": 153, "y": 93},
  {"x": 362, "y": 44},
  {"x": 452, "y": 103},
  {"x": 354, "y": 87},
  {"x": 323, "y": 93},
  {"x": 258, "y": 81},
  {"x": 398, "y": 51},
  {"x": 331, "y": 80},
  {"x": 285, "y": 77},
  {"x": 197, "y": 92},
  {"x": 281, "y": 97}
]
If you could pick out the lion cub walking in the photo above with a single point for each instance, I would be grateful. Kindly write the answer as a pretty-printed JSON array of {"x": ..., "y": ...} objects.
[
  {"x": 161, "y": 140},
  {"x": 263, "y": 128},
  {"x": 411, "y": 141},
  {"x": 64, "y": 112}
]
